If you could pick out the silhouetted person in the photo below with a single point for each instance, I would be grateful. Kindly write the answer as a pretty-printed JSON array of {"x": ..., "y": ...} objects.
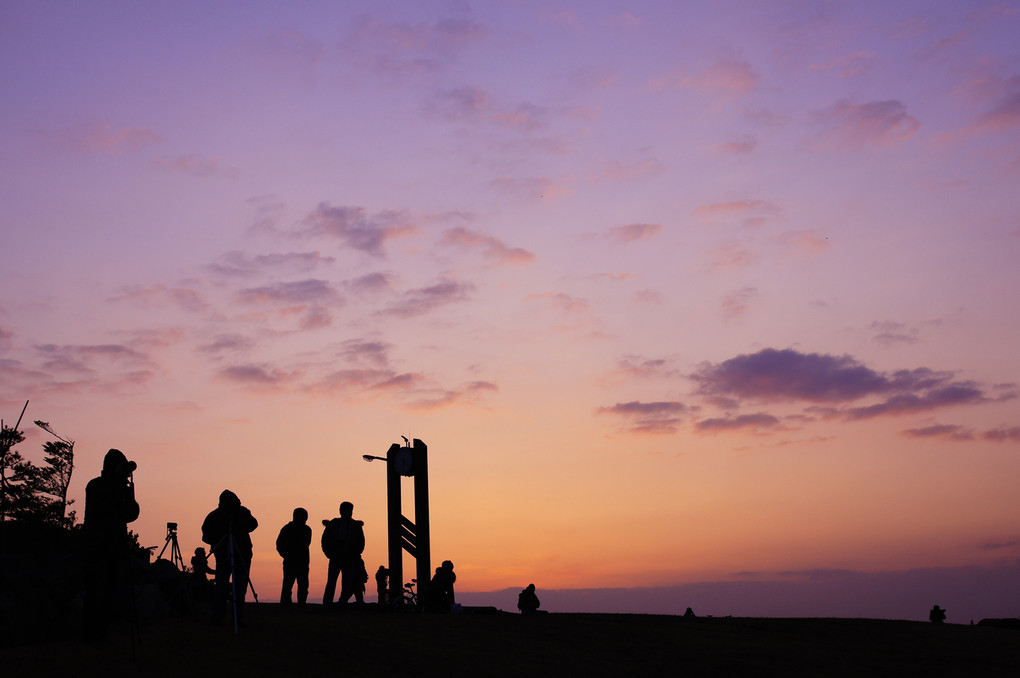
[
  {"x": 230, "y": 525},
  {"x": 200, "y": 565},
  {"x": 109, "y": 506},
  {"x": 937, "y": 615},
  {"x": 382, "y": 580},
  {"x": 343, "y": 540},
  {"x": 440, "y": 592},
  {"x": 292, "y": 544},
  {"x": 689, "y": 613},
  {"x": 527, "y": 600}
]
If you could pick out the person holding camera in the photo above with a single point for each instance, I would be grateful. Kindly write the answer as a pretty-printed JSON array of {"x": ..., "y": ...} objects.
[
  {"x": 227, "y": 529},
  {"x": 109, "y": 506}
]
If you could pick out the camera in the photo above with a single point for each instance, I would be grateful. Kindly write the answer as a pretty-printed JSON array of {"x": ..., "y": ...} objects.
[{"x": 171, "y": 528}]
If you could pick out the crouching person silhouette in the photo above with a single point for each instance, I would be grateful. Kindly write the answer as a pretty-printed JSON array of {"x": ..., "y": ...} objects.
[
  {"x": 227, "y": 529},
  {"x": 527, "y": 600},
  {"x": 441, "y": 597},
  {"x": 292, "y": 544},
  {"x": 343, "y": 541}
]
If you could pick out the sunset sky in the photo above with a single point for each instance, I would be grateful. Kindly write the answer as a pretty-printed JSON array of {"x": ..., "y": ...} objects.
[{"x": 675, "y": 292}]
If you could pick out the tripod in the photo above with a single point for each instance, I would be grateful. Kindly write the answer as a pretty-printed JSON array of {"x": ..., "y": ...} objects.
[
  {"x": 234, "y": 556},
  {"x": 175, "y": 548}
]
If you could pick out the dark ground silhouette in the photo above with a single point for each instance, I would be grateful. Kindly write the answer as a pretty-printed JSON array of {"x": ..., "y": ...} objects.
[{"x": 282, "y": 641}]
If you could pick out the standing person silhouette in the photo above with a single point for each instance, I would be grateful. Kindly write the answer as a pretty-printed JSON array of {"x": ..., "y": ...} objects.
[
  {"x": 109, "y": 506},
  {"x": 343, "y": 541},
  {"x": 292, "y": 545},
  {"x": 228, "y": 524}
]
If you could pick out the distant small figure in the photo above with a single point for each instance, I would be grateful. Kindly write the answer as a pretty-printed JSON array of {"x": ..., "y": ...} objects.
[
  {"x": 109, "y": 506},
  {"x": 200, "y": 565},
  {"x": 343, "y": 541},
  {"x": 937, "y": 615},
  {"x": 230, "y": 525},
  {"x": 382, "y": 580},
  {"x": 689, "y": 613},
  {"x": 292, "y": 545},
  {"x": 527, "y": 600},
  {"x": 441, "y": 597}
]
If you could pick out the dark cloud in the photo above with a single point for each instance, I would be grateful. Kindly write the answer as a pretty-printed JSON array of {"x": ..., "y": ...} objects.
[
  {"x": 309, "y": 291},
  {"x": 832, "y": 381},
  {"x": 653, "y": 418},
  {"x": 753, "y": 421},
  {"x": 773, "y": 374},
  {"x": 357, "y": 229},
  {"x": 494, "y": 249},
  {"x": 426, "y": 299}
]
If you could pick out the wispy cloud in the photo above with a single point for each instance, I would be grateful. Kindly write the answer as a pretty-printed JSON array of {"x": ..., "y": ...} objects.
[
  {"x": 357, "y": 229},
  {"x": 403, "y": 49},
  {"x": 739, "y": 146},
  {"x": 651, "y": 418},
  {"x": 1005, "y": 113},
  {"x": 633, "y": 232},
  {"x": 739, "y": 302},
  {"x": 493, "y": 249},
  {"x": 856, "y": 63},
  {"x": 725, "y": 80},
  {"x": 758, "y": 421},
  {"x": 941, "y": 431},
  {"x": 427, "y": 299},
  {"x": 848, "y": 126},
  {"x": 805, "y": 241},
  {"x": 160, "y": 296},
  {"x": 104, "y": 138},
  {"x": 194, "y": 165},
  {"x": 560, "y": 301},
  {"x": 260, "y": 377},
  {"x": 478, "y": 106},
  {"x": 891, "y": 333},
  {"x": 237, "y": 264},
  {"x": 532, "y": 188},
  {"x": 311, "y": 291}
]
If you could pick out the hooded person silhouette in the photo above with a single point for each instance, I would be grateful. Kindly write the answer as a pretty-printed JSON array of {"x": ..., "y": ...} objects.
[{"x": 227, "y": 529}]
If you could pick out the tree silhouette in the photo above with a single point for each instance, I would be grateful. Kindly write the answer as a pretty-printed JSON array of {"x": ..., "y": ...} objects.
[{"x": 60, "y": 457}]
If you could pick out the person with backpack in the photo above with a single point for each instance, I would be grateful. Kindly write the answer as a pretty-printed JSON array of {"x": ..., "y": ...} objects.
[{"x": 343, "y": 541}]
